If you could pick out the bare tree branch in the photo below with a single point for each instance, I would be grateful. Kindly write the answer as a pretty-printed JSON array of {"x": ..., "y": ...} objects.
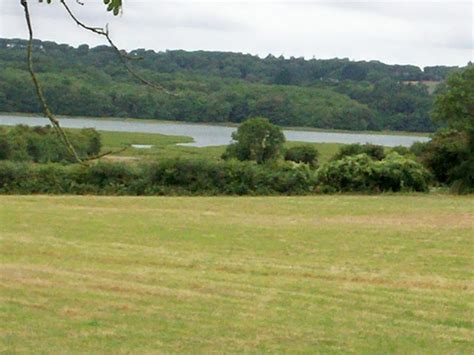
[
  {"x": 123, "y": 58},
  {"x": 39, "y": 91},
  {"x": 110, "y": 152},
  {"x": 46, "y": 110}
]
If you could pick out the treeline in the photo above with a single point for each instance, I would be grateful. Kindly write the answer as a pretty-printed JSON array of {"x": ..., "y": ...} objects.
[
  {"x": 269, "y": 70},
  {"x": 208, "y": 101},
  {"x": 220, "y": 87}
]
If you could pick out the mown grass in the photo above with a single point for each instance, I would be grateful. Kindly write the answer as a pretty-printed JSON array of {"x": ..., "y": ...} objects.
[{"x": 365, "y": 274}]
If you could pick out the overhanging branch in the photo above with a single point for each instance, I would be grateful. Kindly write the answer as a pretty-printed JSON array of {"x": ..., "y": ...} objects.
[
  {"x": 39, "y": 91},
  {"x": 123, "y": 58}
]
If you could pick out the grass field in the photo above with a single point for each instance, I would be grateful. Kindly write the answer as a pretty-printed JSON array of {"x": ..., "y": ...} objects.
[{"x": 370, "y": 274}]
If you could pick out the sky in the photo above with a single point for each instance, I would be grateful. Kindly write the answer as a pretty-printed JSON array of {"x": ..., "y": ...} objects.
[{"x": 419, "y": 32}]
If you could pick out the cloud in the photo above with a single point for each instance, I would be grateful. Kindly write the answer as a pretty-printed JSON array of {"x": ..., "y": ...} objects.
[{"x": 416, "y": 32}]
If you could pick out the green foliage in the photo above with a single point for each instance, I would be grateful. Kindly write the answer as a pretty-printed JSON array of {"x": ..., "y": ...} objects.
[
  {"x": 217, "y": 87},
  {"x": 450, "y": 154},
  {"x": 256, "y": 139},
  {"x": 362, "y": 174},
  {"x": 402, "y": 150},
  {"x": 455, "y": 104},
  {"x": 5, "y": 145},
  {"x": 398, "y": 105},
  {"x": 398, "y": 173},
  {"x": 444, "y": 154},
  {"x": 374, "y": 151},
  {"x": 305, "y": 153},
  {"x": 169, "y": 177},
  {"x": 112, "y": 5},
  {"x": 41, "y": 144}
]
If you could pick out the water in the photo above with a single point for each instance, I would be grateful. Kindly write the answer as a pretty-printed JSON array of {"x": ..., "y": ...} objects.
[{"x": 205, "y": 135}]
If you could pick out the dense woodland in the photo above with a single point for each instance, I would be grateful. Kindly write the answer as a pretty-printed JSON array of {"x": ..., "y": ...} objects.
[{"x": 221, "y": 87}]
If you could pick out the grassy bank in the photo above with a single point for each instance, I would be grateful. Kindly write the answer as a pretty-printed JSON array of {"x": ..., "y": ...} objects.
[
  {"x": 327, "y": 273},
  {"x": 164, "y": 147}
]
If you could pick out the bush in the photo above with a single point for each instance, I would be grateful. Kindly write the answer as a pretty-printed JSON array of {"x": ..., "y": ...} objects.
[
  {"x": 402, "y": 151},
  {"x": 303, "y": 154},
  {"x": 42, "y": 145},
  {"x": 360, "y": 173},
  {"x": 351, "y": 173},
  {"x": 374, "y": 151},
  {"x": 398, "y": 173},
  {"x": 445, "y": 154}
]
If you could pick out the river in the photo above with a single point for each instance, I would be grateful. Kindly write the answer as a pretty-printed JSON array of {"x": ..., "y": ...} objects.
[{"x": 206, "y": 135}]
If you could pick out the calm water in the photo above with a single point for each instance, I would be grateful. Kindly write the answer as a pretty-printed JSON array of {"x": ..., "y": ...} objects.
[{"x": 208, "y": 135}]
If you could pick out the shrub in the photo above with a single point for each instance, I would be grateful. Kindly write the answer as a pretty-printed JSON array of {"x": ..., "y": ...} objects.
[
  {"x": 398, "y": 173},
  {"x": 42, "y": 145},
  {"x": 233, "y": 177},
  {"x": 351, "y": 173},
  {"x": 303, "y": 154},
  {"x": 362, "y": 174},
  {"x": 374, "y": 151},
  {"x": 445, "y": 154},
  {"x": 402, "y": 151}
]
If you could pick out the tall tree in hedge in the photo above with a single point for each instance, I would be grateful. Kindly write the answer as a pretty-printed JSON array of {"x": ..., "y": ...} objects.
[
  {"x": 455, "y": 104},
  {"x": 455, "y": 107},
  {"x": 256, "y": 139}
]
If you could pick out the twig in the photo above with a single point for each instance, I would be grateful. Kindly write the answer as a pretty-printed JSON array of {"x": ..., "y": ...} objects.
[
  {"x": 39, "y": 91},
  {"x": 105, "y": 32},
  {"x": 95, "y": 157}
]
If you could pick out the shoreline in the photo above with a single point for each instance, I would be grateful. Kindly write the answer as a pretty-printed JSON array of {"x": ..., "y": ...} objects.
[{"x": 223, "y": 124}]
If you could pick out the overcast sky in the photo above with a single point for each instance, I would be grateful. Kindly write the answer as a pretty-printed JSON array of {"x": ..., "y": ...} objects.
[{"x": 404, "y": 32}]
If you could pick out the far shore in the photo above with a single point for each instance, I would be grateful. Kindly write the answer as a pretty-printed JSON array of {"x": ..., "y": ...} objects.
[{"x": 223, "y": 124}]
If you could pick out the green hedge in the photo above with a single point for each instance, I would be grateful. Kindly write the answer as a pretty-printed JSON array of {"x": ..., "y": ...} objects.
[
  {"x": 201, "y": 177},
  {"x": 174, "y": 177}
]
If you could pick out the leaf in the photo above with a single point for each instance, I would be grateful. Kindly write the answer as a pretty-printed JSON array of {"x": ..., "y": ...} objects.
[{"x": 115, "y": 6}]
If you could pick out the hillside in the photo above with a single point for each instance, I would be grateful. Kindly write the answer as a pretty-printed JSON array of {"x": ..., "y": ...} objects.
[{"x": 222, "y": 87}]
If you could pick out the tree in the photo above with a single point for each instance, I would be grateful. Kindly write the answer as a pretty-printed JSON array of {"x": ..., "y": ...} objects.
[
  {"x": 455, "y": 104},
  {"x": 444, "y": 153},
  {"x": 256, "y": 139}
]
